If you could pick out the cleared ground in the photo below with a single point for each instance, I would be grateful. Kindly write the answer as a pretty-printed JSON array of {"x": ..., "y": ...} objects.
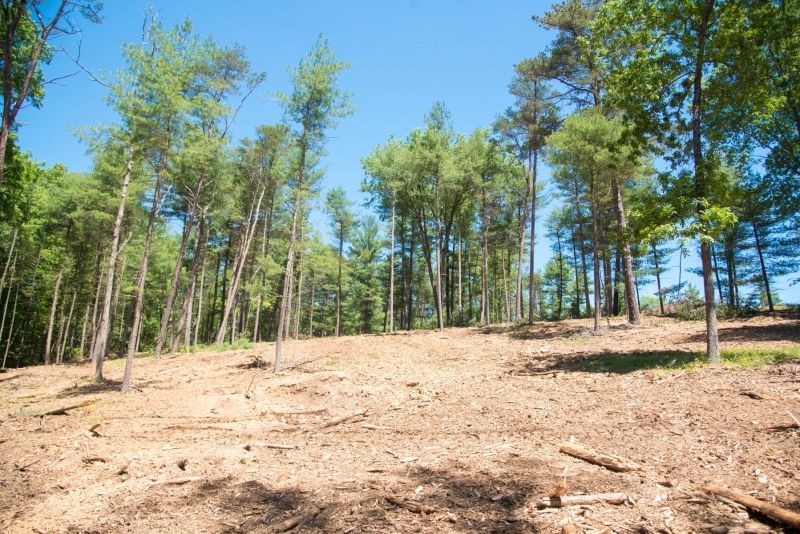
[{"x": 449, "y": 425}]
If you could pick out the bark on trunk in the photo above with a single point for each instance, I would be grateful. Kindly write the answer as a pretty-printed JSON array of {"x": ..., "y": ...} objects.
[
  {"x": 102, "y": 329},
  {"x": 763, "y": 268},
  {"x": 596, "y": 262},
  {"x": 631, "y": 308}
]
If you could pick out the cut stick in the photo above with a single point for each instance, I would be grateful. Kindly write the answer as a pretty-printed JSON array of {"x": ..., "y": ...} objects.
[
  {"x": 341, "y": 419},
  {"x": 672, "y": 377},
  {"x": 63, "y": 410},
  {"x": 374, "y": 427},
  {"x": 573, "y": 500},
  {"x": 777, "y": 513},
  {"x": 606, "y": 460},
  {"x": 755, "y": 395},
  {"x": 275, "y": 446},
  {"x": 537, "y": 373},
  {"x": 24, "y": 467},
  {"x": 410, "y": 505},
  {"x": 90, "y": 459},
  {"x": 298, "y": 520},
  {"x": 175, "y": 482},
  {"x": 94, "y": 431}
]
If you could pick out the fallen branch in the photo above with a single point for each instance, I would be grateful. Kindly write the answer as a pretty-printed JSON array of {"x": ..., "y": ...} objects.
[
  {"x": 777, "y": 513},
  {"x": 275, "y": 446},
  {"x": 573, "y": 500},
  {"x": 755, "y": 395},
  {"x": 298, "y": 520},
  {"x": 94, "y": 431},
  {"x": 174, "y": 482},
  {"x": 606, "y": 460},
  {"x": 537, "y": 373},
  {"x": 298, "y": 363},
  {"x": 90, "y": 459},
  {"x": 24, "y": 467},
  {"x": 672, "y": 377},
  {"x": 63, "y": 410},
  {"x": 410, "y": 505},
  {"x": 374, "y": 427},
  {"x": 341, "y": 419}
]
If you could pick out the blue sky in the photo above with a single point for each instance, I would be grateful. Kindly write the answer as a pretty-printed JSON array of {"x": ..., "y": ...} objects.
[{"x": 406, "y": 54}]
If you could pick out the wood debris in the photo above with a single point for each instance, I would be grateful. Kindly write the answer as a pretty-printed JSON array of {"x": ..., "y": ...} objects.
[
  {"x": 92, "y": 459},
  {"x": 573, "y": 500},
  {"x": 298, "y": 520},
  {"x": 63, "y": 410},
  {"x": 341, "y": 419},
  {"x": 599, "y": 458},
  {"x": 772, "y": 511},
  {"x": 275, "y": 446},
  {"x": 174, "y": 482},
  {"x": 411, "y": 506}
]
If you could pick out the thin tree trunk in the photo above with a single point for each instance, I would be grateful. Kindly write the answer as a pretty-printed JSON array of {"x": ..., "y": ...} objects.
[
  {"x": 460, "y": 283},
  {"x": 136, "y": 323},
  {"x": 763, "y": 267},
  {"x": 658, "y": 277},
  {"x": 531, "y": 276},
  {"x": 185, "y": 321},
  {"x": 102, "y": 331},
  {"x": 339, "y": 285},
  {"x": 27, "y": 315},
  {"x": 596, "y": 259},
  {"x": 176, "y": 273},
  {"x": 716, "y": 272},
  {"x": 200, "y": 303},
  {"x": 391, "y": 271},
  {"x": 289, "y": 268},
  {"x": 577, "y": 274},
  {"x": 299, "y": 285},
  {"x": 8, "y": 261},
  {"x": 53, "y": 313},
  {"x": 583, "y": 251},
  {"x": 5, "y": 307},
  {"x": 11, "y": 326},
  {"x": 63, "y": 345},
  {"x": 627, "y": 263},
  {"x": 311, "y": 309}
]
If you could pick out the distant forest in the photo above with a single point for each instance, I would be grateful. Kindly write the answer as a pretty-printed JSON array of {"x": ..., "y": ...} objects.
[{"x": 665, "y": 126}]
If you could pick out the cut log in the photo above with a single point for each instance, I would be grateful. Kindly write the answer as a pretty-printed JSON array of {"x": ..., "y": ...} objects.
[
  {"x": 275, "y": 446},
  {"x": 341, "y": 419},
  {"x": 63, "y": 410},
  {"x": 91, "y": 459},
  {"x": 175, "y": 482},
  {"x": 777, "y": 513},
  {"x": 411, "y": 506},
  {"x": 606, "y": 460},
  {"x": 573, "y": 500},
  {"x": 298, "y": 520}
]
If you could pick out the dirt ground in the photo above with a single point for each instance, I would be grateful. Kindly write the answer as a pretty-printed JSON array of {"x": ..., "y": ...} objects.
[{"x": 450, "y": 428}]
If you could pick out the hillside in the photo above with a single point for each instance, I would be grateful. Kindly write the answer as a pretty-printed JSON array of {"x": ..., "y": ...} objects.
[{"x": 450, "y": 426}]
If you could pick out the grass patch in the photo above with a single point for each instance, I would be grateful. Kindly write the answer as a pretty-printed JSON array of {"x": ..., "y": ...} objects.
[{"x": 731, "y": 358}]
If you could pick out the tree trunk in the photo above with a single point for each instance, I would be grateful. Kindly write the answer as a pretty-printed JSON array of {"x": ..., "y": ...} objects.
[
  {"x": 299, "y": 285},
  {"x": 763, "y": 268},
  {"x": 521, "y": 248},
  {"x": 712, "y": 340},
  {"x": 102, "y": 330},
  {"x": 716, "y": 273},
  {"x": 627, "y": 264},
  {"x": 583, "y": 251},
  {"x": 240, "y": 262},
  {"x": 53, "y": 306},
  {"x": 577, "y": 275},
  {"x": 596, "y": 259},
  {"x": 658, "y": 277},
  {"x": 485, "y": 277},
  {"x": 60, "y": 355},
  {"x": 460, "y": 283},
  {"x": 11, "y": 326},
  {"x": 8, "y": 261},
  {"x": 531, "y": 276},
  {"x": 136, "y": 323},
  {"x": 391, "y": 271},
  {"x": 5, "y": 306},
  {"x": 200, "y": 303},
  {"x": 185, "y": 321},
  {"x": 176, "y": 273},
  {"x": 285, "y": 297}
]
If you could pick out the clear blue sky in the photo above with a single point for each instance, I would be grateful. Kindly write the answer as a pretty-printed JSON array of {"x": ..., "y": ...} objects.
[{"x": 407, "y": 55}]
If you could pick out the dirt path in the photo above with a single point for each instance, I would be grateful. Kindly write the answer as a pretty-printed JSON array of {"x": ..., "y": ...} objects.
[{"x": 449, "y": 425}]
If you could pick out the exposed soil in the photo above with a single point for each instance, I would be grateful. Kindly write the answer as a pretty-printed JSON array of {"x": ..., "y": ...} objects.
[{"x": 450, "y": 426}]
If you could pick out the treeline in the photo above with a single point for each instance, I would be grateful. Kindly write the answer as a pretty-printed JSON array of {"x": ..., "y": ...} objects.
[{"x": 664, "y": 126}]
